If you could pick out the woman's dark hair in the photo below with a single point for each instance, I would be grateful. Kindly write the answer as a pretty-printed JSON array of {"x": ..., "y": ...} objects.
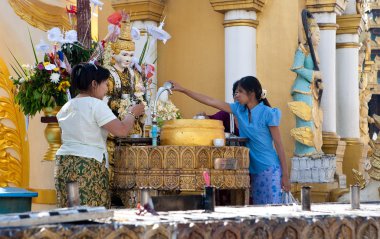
[
  {"x": 251, "y": 84},
  {"x": 83, "y": 74}
]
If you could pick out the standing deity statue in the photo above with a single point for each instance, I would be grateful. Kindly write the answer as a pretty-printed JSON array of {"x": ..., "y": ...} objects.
[
  {"x": 125, "y": 82},
  {"x": 307, "y": 90}
]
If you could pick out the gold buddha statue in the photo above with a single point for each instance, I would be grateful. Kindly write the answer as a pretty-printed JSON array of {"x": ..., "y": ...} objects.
[{"x": 124, "y": 77}]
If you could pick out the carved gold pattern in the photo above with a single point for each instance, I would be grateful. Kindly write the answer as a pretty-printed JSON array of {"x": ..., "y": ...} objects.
[
  {"x": 143, "y": 10},
  {"x": 178, "y": 168},
  {"x": 14, "y": 145},
  {"x": 124, "y": 40},
  {"x": 300, "y": 109},
  {"x": 227, "y": 5},
  {"x": 359, "y": 178},
  {"x": 368, "y": 229},
  {"x": 303, "y": 135},
  {"x": 350, "y": 24},
  {"x": 316, "y": 6},
  {"x": 41, "y": 15},
  {"x": 241, "y": 22},
  {"x": 274, "y": 227}
]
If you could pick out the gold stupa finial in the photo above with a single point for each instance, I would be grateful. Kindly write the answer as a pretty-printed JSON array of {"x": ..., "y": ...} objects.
[{"x": 124, "y": 41}]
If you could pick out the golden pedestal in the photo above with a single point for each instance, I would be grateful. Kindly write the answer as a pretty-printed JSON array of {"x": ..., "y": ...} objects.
[
  {"x": 354, "y": 156},
  {"x": 52, "y": 132},
  {"x": 176, "y": 168},
  {"x": 191, "y": 132}
]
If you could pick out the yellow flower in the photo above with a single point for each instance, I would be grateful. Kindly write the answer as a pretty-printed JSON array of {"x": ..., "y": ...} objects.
[
  {"x": 46, "y": 63},
  {"x": 56, "y": 69},
  {"x": 63, "y": 86}
]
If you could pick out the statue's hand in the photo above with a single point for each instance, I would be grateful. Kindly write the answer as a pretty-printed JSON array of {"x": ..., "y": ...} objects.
[{"x": 317, "y": 75}]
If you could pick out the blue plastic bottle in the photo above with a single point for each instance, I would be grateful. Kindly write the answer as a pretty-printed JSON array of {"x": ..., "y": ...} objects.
[{"x": 154, "y": 135}]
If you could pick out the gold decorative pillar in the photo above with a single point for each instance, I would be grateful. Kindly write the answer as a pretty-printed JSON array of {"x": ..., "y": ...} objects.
[
  {"x": 326, "y": 13},
  {"x": 240, "y": 24},
  {"x": 142, "y": 10},
  {"x": 350, "y": 27},
  {"x": 14, "y": 144}
]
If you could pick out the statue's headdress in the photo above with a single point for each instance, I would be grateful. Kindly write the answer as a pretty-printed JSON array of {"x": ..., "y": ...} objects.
[{"x": 124, "y": 40}]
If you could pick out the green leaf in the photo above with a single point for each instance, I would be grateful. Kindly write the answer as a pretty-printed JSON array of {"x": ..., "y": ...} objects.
[
  {"x": 143, "y": 51},
  {"x": 16, "y": 71},
  {"x": 18, "y": 63},
  {"x": 34, "y": 50}
]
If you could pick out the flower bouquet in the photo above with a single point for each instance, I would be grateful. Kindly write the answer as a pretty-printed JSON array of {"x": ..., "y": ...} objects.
[
  {"x": 45, "y": 84},
  {"x": 166, "y": 111}
]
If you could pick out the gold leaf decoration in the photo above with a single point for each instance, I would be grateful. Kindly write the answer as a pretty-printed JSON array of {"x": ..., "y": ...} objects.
[
  {"x": 14, "y": 146},
  {"x": 303, "y": 135},
  {"x": 41, "y": 15},
  {"x": 300, "y": 109}
]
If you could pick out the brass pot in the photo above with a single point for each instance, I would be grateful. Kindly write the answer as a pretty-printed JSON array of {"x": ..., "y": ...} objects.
[
  {"x": 52, "y": 133},
  {"x": 191, "y": 132}
]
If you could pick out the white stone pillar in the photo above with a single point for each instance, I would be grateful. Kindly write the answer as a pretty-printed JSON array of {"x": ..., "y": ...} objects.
[
  {"x": 347, "y": 57},
  {"x": 326, "y": 52},
  {"x": 240, "y": 47}
]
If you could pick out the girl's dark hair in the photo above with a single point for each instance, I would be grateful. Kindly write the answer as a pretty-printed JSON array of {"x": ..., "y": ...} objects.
[
  {"x": 234, "y": 87},
  {"x": 251, "y": 84},
  {"x": 83, "y": 74}
]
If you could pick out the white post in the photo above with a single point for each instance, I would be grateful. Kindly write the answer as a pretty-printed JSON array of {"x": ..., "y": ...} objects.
[
  {"x": 326, "y": 52},
  {"x": 240, "y": 47},
  {"x": 347, "y": 57}
]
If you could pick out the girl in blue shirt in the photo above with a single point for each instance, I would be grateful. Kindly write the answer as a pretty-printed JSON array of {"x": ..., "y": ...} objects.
[{"x": 260, "y": 124}]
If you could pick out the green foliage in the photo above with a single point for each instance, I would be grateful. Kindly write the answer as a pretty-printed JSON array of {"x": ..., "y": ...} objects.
[
  {"x": 76, "y": 53},
  {"x": 38, "y": 92}
]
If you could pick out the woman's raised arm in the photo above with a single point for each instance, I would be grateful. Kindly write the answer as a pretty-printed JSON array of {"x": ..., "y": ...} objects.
[{"x": 204, "y": 99}]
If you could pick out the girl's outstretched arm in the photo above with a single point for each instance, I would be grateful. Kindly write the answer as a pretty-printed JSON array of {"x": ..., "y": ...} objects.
[{"x": 204, "y": 99}]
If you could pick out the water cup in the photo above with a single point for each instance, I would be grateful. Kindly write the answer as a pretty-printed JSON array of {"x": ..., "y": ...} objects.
[{"x": 218, "y": 142}]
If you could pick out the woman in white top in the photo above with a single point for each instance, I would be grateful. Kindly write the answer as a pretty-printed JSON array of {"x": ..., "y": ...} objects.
[{"x": 85, "y": 122}]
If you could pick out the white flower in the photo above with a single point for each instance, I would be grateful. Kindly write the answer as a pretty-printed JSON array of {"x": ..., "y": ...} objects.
[
  {"x": 139, "y": 94},
  {"x": 135, "y": 33},
  {"x": 71, "y": 36},
  {"x": 264, "y": 94},
  {"x": 21, "y": 80},
  {"x": 55, "y": 35},
  {"x": 54, "y": 78},
  {"x": 42, "y": 46},
  {"x": 97, "y": 3},
  {"x": 50, "y": 67}
]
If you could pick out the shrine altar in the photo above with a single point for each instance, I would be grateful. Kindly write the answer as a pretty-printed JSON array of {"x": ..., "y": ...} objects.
[{"x": 168, "y": 169}]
